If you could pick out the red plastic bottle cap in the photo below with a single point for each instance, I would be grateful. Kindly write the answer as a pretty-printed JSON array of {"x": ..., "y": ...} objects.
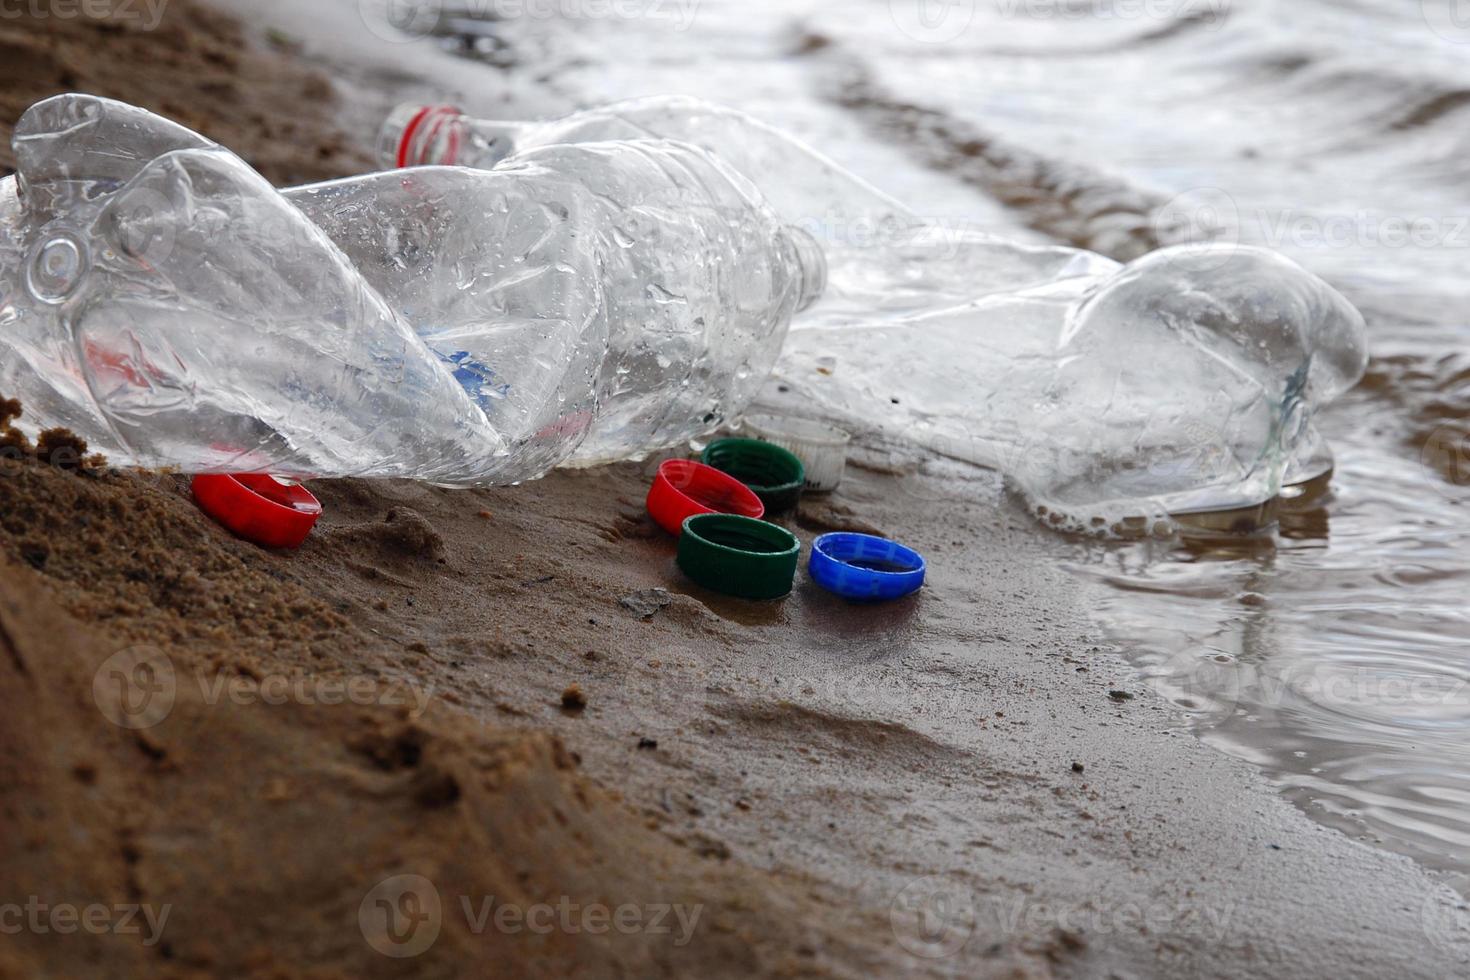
[
  {"x": 425, "y": 127},
  {"x": 258, "y": 507},
  {"x": 683, "y": 488}
]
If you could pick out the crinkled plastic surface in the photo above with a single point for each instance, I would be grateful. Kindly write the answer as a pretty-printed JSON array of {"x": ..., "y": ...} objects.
[
  {"x": 802, "y": 185},
  {"x": 607, "y": 297},
  {"x": 451, "y": 325},
  {"x": 1183, "y": 382},
  {"x": 1180, "y": 383},
  {"x": 177, "y": 311}
]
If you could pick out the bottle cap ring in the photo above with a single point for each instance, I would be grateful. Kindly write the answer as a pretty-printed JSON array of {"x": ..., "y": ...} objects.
[
  {"x": 774, "y": 474},
  {"x": 429, "y": 127},
  {"x": 822, "y": 448},
  {"x": 864, "y": 567},
  {"x": 258, "y": 507},
  {"x": 738, "y": 556},
  {"x": 683, "y": 488}
]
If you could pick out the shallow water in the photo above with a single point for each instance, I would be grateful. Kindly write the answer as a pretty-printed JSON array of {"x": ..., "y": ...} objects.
[{"x": 1334, "y": 653}]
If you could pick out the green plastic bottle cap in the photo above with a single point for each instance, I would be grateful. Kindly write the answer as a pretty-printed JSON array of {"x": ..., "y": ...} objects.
[
  {"x": 738, "y": 556},
  {"x": 773, "y": 473}
]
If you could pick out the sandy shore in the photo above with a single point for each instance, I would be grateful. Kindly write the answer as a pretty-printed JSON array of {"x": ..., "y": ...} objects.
[{"x": 351, "y": 760}]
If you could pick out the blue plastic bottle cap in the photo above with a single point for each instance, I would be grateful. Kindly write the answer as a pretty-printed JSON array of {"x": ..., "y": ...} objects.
[{"x": 864, "y": 567}]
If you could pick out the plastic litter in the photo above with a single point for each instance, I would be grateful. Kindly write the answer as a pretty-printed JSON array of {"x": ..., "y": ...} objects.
[
  {"x": 258, "y": 507},
  {"x": 682, "y": 488},
  {"x": 821, "y": 448},
  {"x": 798, "y": 181},
  {"x": 1111, "y": 396},
  {"x": 883, "y": 259},
  {"x": 1184, "y": 382},
  {"x": 588, "y": 301},
  {"x": 864, "y": 567},
  {"x": 772, "y": 473},
  {"x": 456, "y": 326},
  {"x": 738, "y": 556}
]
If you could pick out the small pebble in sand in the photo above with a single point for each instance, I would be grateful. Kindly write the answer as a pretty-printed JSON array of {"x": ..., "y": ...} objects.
[
  {"x": 1078, "y": 767},
  {"x": 1120, "y": 696},
  {"x": 572, "y": 699},
  {"x": 645, "y": 603},
  {"x": 647, "y": 743},
  {"x": 486, "y": 514}
]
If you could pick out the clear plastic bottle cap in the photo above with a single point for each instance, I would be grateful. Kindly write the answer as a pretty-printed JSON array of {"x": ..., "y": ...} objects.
[{"x": 822, "y": 448}]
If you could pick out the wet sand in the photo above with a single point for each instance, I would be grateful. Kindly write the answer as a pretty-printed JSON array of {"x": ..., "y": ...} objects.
[
  {"x": 948, "y": 786},
  {"x": 964, "y": 783}
]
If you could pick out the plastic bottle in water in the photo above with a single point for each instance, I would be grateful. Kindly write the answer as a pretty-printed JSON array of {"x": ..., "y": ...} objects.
[
  {"x": 883, "y": 259},
  {"x": 1182, "y": 382},
  {"x": 467, "y": 326},
  {"x": 457, "y": 326}
]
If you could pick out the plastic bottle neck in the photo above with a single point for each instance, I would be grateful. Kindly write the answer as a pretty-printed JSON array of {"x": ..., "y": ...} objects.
[
  {"x": 442, "y": 135},
  {"x": 811, "y": 262}
]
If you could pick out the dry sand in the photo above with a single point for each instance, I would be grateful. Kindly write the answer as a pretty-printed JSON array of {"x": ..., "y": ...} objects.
[{"x": 959, "y": 784}]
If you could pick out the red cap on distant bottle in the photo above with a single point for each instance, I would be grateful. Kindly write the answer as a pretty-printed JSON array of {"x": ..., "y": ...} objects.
[
  {"x": 424, "y": 130},
  {"x": 258, "y": 507}
]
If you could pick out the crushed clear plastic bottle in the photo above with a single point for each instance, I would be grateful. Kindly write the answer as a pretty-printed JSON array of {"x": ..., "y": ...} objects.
[
  {"x": 1180, "y": 384},
  {"x": 812, "y": 191},
  {"x": 457, "y": 326},
  {"x": 880, "y": 255},
  {"x": 588, "y": 300},
  {"x": 1113, "y": 397}
]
